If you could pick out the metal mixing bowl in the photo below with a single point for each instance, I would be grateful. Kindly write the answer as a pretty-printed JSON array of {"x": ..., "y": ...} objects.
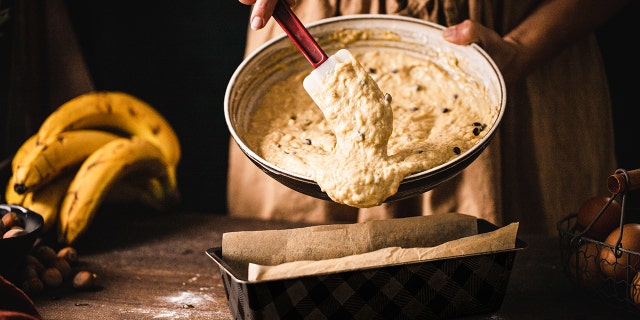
[{"x": 278, "y": 58}]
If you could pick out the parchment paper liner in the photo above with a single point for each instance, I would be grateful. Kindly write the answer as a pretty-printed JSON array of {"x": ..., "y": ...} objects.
[
  {"x": 274, "y": 247},
  {"x": 498, "y": 240}
]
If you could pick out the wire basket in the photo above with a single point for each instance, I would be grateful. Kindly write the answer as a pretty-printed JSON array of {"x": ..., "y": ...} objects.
[{"x": 606, "y": 270}]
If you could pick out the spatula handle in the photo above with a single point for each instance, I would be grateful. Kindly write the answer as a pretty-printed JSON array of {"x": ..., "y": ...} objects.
[{"x": 300, "y": 36}]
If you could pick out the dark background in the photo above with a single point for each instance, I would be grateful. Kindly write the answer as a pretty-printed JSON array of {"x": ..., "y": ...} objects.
[
  {"x": 180, "y": 55},
  {"x": 623, "y": 67}
]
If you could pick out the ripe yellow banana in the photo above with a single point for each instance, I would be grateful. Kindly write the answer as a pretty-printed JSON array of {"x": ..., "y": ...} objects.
[
  {"x": 116, "y": 111},
  {"x": 11, "y": 196},
  {"x": 24, "y": 149},
  {"x": 47, "y": 199},
  {"x": 144, "y": 190},
  {"x": 50, "y": 158},
  {"x": 99, "y": 172}
]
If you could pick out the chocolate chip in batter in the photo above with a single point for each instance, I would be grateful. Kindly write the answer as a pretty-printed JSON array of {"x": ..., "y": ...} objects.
[{"x": 387, "y": 97}]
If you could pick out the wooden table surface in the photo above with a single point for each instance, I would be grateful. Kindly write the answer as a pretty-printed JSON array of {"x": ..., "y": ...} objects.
[{"x": 153, "y": 266}]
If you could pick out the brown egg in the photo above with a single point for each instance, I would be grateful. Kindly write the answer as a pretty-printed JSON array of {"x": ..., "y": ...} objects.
[
  {"x": 634, "y": 289},
  {"x": 609, "y": 220},
  {"x": 584, "y": 265},
  {"x": 617, "y": 267}
]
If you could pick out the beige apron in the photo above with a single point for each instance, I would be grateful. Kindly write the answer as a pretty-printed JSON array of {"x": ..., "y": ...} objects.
[{"x": 553, "y": 151}]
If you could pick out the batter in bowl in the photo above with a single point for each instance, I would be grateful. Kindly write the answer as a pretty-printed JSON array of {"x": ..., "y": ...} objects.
[{"x": 375, "y": 124}]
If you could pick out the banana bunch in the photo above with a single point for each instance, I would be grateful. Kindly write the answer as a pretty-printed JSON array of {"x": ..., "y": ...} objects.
[{"x": 98, "y": 147}]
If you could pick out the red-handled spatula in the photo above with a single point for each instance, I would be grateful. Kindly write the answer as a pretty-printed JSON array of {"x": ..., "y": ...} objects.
[
  {"x": 324, "y": 66},
  {"x": 300, "y": 36}
]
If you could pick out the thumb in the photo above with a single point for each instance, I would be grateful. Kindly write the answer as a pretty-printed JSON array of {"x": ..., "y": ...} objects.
[{"x": 463, "y": 33}]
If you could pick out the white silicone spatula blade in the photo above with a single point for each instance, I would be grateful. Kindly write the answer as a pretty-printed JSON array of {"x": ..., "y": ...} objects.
[{"x": 314, "y": 82}]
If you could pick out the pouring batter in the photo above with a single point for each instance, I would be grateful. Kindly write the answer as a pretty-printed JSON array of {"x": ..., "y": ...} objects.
[{"x": 372, "y": 125}]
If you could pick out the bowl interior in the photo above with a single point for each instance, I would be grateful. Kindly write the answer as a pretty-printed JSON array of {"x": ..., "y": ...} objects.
[{"x": 278, "y": 58}]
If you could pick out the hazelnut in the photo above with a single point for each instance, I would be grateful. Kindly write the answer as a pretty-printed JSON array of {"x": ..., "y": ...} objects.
[
  {"x": 51, "y": 277},
  {"x": 84, "y": 280},
  {"x": 62, "y": 265},
  {"x": 29, "y": 271},
  {"x": 68, "y": 253},
  {"x": 32, "y": 286},
  {"x": 12, "y": 219},
  {"x": 14, "y": 232},
  {"x": 45, "y": 254},
  {"x": 33, "y": 261}
]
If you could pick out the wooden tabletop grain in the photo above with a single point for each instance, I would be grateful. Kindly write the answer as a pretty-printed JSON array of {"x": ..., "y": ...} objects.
[{"x": 153, "y": 266}]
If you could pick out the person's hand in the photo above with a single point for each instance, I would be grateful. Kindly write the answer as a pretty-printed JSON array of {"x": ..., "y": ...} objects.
[
  {"x": 262, "y": 10},
  {"x": 551, "y": 27},
  {"x": 503, "y": 51}
]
